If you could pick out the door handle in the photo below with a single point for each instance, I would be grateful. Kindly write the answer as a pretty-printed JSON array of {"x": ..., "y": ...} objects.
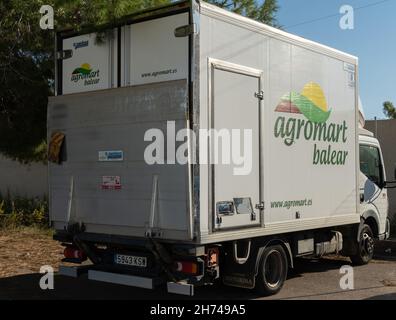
[
  {"x": 260, "y": 206},
  {"x": 259, "y": 95}
]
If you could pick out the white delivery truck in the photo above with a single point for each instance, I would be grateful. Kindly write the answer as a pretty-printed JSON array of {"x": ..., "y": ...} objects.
[{"x": 295, "y": 190}]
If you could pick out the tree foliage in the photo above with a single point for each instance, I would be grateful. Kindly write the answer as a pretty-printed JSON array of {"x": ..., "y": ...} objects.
[
  {"x": 77, "y": 13},
  {"x": 263, "y": 11},
  {"x": 25, "y": 73},
  {"x": 27, "y": 59},
  {"x": 389, "y": 110}
]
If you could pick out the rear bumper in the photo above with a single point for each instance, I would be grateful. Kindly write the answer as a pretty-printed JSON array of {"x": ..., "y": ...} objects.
[
  {"x": 181, "y": 288},
  {"x": 123, "y": 279},
  {"x": 179, "y": 265}
]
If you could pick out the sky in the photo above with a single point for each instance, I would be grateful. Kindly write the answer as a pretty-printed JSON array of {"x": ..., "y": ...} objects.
[{"x": 373, "y": 41}]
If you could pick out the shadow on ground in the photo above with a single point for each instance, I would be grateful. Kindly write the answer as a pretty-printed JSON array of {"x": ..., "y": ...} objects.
[
  {"x": 306, "y": 266},
  {"x": 389, "y": 296},
  {"x": 27, "y": 287}
]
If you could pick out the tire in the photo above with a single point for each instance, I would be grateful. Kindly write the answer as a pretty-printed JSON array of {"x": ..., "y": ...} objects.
[
  {"x": 365, "y": 247},
  {"x": 272, "y": 272}
]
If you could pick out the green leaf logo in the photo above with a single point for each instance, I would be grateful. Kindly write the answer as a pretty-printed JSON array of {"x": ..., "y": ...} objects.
[
  {"x": 84, "y": 69},
  {"x": 311, "y": 102}
]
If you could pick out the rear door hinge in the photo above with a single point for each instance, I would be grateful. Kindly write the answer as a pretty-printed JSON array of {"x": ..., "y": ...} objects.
[
  {"x": 64, "y": 54},
  {"x": 186, "y": 30},
  {"x": 260, "y": 206},
  {"x": 259, "y": 95}
]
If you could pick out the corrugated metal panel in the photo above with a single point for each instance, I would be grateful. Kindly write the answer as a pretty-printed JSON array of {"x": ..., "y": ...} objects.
[{"x": 117, "y": 119}]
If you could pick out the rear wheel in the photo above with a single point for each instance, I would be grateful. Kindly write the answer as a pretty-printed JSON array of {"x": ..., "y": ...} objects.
[
  {"x": 365, "y": 247},
  {"x": 272, "y": 271}
]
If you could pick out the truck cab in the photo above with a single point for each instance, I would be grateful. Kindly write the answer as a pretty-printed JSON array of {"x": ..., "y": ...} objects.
[{"x": 374, "y": 204}]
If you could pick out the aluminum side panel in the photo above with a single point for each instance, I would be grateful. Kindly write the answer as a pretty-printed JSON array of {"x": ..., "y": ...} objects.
[{"x": 291, "y": 174}]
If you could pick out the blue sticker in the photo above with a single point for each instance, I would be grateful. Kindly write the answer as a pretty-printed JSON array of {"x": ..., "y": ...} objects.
[{"x": 111, "y": 155}]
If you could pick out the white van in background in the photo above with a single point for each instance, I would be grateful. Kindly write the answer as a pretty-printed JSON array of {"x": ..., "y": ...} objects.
[{"x": 373, "y": 195}]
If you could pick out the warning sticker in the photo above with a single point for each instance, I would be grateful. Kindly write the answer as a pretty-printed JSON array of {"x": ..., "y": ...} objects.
[
  {"x": 349, "y": 67},
  {"x": 111, "y": 182},
  {"x": 351, "y": 71}
]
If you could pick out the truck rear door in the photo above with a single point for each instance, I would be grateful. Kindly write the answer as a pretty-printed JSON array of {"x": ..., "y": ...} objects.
[
  {"x": 236, "y": 112},
  {"x": 103, "y": 179}
]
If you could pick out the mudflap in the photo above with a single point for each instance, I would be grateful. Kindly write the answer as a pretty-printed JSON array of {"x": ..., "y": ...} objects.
[
  {"x": 241, "y": 259},
  {"x": 350, "y": 234},
  {"x": 237, "y": 274}
]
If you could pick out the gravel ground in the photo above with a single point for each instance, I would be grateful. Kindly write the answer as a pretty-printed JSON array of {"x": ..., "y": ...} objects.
[{"x": 25, "y": 250}]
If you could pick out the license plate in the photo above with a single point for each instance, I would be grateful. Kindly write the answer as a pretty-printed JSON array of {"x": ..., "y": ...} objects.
[{"x": 127, "y": 260}]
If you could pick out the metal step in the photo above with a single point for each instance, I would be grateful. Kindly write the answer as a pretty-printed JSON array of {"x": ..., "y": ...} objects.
[{"x": 73, "y": 272}]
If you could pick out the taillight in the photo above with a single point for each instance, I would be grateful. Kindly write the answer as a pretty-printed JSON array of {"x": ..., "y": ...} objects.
[
  {"x": 212, "y": 257},
  {"x": 74, "y": 253},
  {"x": 188, "y": 267}
]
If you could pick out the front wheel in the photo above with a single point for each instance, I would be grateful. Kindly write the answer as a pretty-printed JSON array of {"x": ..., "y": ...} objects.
[
  {"x": 272, "y": 271},
  {"x": 365, "y": 247}
]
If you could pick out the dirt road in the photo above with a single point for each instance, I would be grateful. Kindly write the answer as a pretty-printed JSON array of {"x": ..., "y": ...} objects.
[{"x": 25, "y": 250}]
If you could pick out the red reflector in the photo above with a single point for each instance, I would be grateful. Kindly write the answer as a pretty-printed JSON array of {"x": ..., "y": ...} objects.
[
  {"x": 74, "y": 253},
  {"x": 186, "y": 267}
]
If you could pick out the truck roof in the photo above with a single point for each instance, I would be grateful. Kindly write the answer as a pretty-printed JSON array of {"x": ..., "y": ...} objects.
[
  {"x": 215, "y": 11},
  {"x": 128, "y": 19},
  {"x": 254, "y": 25}
]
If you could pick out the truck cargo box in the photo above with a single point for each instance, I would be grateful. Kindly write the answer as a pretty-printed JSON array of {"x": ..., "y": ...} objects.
[{"x": 194, "y": 66}]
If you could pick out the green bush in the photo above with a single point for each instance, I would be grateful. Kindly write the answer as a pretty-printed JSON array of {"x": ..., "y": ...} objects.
[{"x": 23, "y": 212}]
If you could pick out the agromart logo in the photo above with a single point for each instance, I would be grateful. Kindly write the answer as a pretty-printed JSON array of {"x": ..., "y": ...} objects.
[
  {"x": 86, "y": 74},
  {"x": 311, "y": 102},
  {"x": 314, "y": 126}
]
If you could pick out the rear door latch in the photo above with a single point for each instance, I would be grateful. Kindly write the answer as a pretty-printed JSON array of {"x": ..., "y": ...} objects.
[
  {"x": 185, "y": 31},
  {"x": 64, "y": 54},
  {"x": 259, "y": 95},
  {"x": 260, "y": 206}
]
